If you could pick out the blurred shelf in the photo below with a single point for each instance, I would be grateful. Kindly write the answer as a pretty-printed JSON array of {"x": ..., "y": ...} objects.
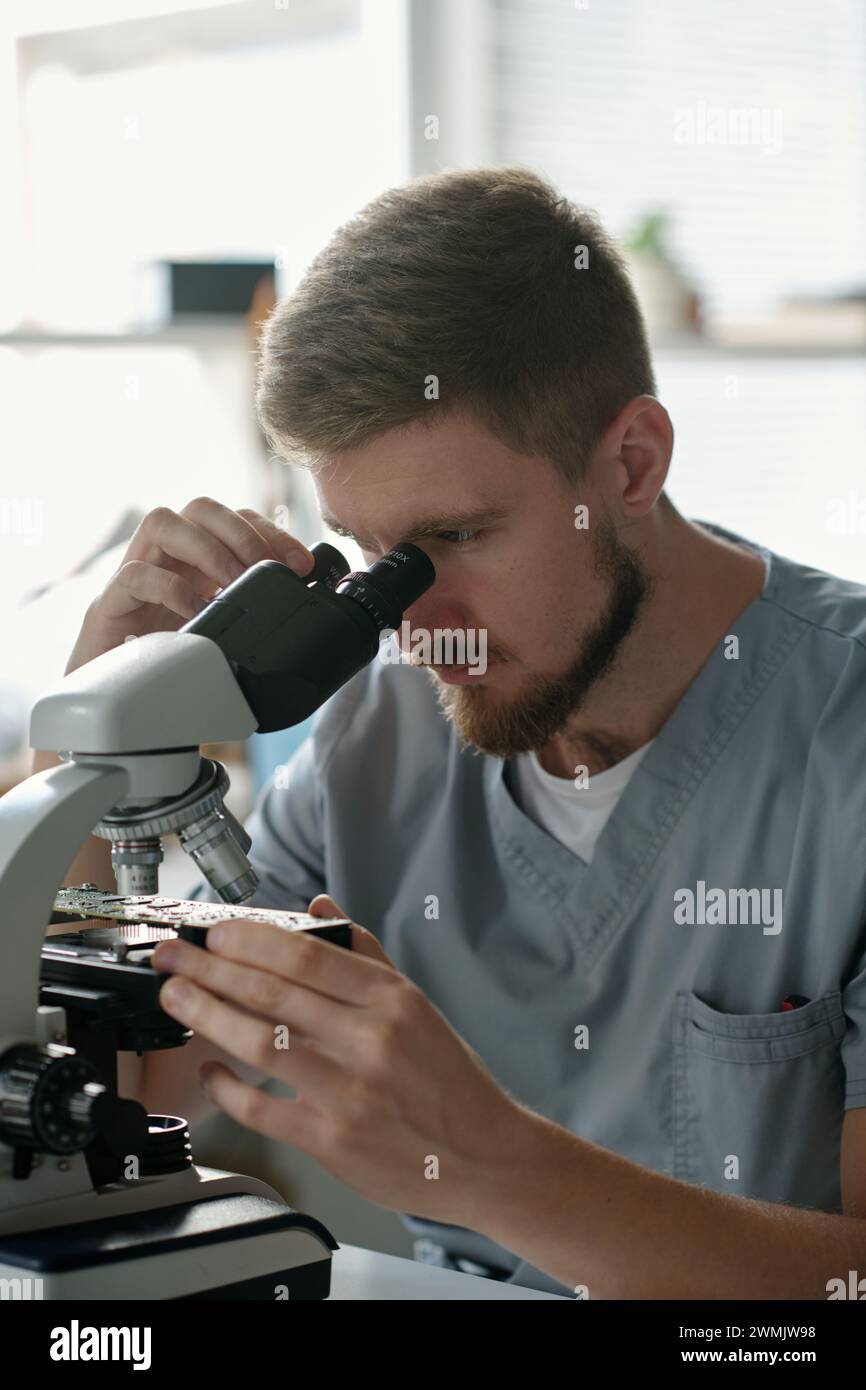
[
  {"x": 231, "y": 330},
  {"x": 711, "y": 348},
  {"x": 201, "y": 328}
]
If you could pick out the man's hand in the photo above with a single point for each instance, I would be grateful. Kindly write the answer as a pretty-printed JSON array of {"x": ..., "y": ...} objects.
[
  {"x": 172, "y": 568},
  {"x": 388, "y": 1097}
]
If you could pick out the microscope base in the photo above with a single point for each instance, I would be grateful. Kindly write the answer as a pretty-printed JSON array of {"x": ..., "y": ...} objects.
[{"x": 239, "y": 1246}]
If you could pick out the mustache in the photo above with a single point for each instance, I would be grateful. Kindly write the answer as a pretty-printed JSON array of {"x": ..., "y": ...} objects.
[
  {"x": 412, "y": 656},
  {"x": 412, "y": 659}
]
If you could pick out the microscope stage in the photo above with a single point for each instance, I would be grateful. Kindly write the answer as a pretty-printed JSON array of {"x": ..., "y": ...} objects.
[{"x": 145, "y": 918}]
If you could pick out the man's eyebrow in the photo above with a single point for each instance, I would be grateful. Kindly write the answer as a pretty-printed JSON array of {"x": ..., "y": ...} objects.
[{"x": 430, "y": 525}]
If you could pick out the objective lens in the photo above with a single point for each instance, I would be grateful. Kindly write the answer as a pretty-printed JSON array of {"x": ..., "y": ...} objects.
[
  {"x": 211, "y": 843},
  {"x": 136, "y": 865}
]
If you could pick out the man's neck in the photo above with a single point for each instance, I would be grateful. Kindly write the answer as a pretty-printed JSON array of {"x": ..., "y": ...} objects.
[{"x": 701, "y": 586}]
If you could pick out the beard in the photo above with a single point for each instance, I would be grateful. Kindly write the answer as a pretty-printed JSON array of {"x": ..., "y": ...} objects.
[{"x": 531, "y": 719}]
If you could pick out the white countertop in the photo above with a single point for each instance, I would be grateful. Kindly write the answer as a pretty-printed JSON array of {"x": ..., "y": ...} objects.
[{"x": 367, "y": 1274}]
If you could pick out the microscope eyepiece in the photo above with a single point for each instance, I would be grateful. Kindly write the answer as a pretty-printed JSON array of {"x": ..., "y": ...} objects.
[
  {"x": 391, "y": 585},
  {"x": 293, "y": 641}
]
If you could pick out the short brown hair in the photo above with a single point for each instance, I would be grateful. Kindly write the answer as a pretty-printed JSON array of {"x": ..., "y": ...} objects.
[{"x": 469, "y": 276}]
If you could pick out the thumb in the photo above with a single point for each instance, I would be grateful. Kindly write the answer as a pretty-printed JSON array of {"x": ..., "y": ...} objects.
[
  {"x": 324, "y": 906},
  {"x": 363, "y": 941}
]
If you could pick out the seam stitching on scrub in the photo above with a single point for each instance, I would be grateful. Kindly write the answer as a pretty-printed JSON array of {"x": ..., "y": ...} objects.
[
  {"x": 810, "y": 622},
  {"x": 770, "y": 1059},
  {"x": 526, "y": 868},
  {"x": 619, "y": 904},
  {"x": 682, "y": 1111}
]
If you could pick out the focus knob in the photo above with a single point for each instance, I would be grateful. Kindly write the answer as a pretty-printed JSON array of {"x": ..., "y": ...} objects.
[{"x": 50, "y": 1099}]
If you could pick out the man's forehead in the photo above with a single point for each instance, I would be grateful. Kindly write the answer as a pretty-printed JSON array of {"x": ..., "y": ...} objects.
[
  {"x": 401, "y": 502},
  {"x": 415, "y": 482}
]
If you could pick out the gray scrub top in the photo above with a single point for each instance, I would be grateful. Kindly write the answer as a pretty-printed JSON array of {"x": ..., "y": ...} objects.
[{"x": 656, "y": 949}]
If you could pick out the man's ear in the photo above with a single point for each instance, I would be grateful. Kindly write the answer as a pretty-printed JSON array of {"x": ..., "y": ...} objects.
[{"x": 638, "y": 445}]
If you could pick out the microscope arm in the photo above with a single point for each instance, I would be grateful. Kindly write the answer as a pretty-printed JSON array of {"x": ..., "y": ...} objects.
[
  {"x": 43, "y": 824},
  {"x": 133, "y": 719}
]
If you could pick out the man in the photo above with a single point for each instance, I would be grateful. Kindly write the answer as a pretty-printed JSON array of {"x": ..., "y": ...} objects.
[{"x": 625, "y": 861}]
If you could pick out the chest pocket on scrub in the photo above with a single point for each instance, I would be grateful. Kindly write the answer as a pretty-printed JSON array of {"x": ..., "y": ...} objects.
[{"x": 758, "y": 1100}]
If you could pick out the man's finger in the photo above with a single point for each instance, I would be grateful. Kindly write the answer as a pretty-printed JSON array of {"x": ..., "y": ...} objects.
[
  {"x": 257, "y": 1041},
  {"x": 290, "y": 1121},
  {"x": 301, "y": 958},
  {"x": 363, "y": 941},
  {"x": 297, "y": 555}
]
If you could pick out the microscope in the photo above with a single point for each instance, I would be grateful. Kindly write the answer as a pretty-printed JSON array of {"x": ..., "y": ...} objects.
[{"x": 98, "y": 1199}]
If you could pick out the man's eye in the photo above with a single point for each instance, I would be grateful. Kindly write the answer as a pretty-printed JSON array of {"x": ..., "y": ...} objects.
[{"x": 458, "y": 537}]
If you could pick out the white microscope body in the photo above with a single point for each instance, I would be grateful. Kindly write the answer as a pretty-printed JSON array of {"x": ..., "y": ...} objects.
[
  {"x": 129, "y": 725},
  {"x": 76, "y": 1219}
]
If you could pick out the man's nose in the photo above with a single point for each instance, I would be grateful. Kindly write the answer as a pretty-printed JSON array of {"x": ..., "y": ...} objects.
[{"x": 432, "y": 611}]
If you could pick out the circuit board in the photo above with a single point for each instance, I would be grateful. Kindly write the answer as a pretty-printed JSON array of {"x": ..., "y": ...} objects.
[{"x": 144, "y": 918}]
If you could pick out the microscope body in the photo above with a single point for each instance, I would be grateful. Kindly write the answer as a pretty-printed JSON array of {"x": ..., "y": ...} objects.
[
  {"x": 135, "y": 717},
  {"x": 128, "y": 726}
]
